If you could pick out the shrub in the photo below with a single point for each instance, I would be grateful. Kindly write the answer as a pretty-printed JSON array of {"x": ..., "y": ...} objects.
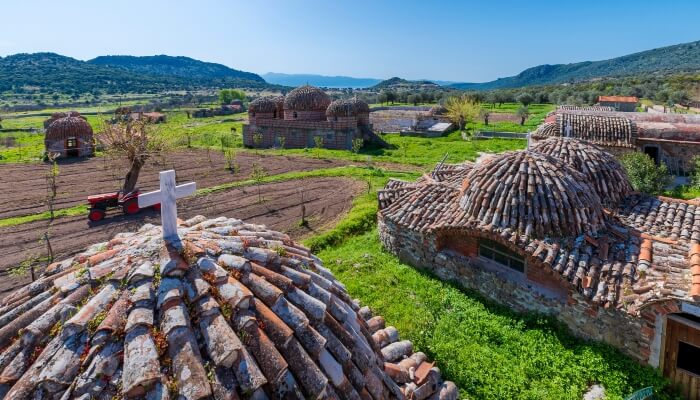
[
  {"x": 695, "y": 173},
  {"x": 644, "y": 174}
]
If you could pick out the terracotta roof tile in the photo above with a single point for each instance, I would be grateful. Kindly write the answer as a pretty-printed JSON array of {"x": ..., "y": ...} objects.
[{"x": 226, "y": 321}]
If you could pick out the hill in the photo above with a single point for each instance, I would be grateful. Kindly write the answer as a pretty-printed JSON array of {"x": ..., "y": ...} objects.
[
  {"x": 319, "y": 80},
  {"x": 665, "y": 60},
  {"x": 163, "y": 65},
  {"x": 50, "y": 72},
  {"x": 399, "y": 83}
]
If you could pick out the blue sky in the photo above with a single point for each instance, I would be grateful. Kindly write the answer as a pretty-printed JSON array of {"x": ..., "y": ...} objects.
[{"x": 449, "y": 40}]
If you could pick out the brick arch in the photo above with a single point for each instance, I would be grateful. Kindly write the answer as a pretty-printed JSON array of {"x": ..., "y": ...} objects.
[{"x": 465, "y": 242}]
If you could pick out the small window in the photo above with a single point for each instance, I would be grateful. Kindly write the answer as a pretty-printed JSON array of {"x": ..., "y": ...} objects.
[
  {"x": 501, "y": 254},
  {"x": 274, "y": 114},
  {"x": 294, "y": 115},
  {"x": 253, "y": 113},
  {"x": 335, "y": 118},
  {"x": 688, "y": 358},
  {"x": 71, "y": 143}
]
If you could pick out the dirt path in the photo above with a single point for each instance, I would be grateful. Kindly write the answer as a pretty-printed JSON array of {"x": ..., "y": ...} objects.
[
  {"x": 326, "y": 200},
  {"x": 24, "y": 186}
]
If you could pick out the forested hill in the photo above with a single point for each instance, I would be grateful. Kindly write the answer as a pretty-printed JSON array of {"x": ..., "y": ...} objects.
[
  {"x": 174, "y": 66},
  {"x": 671, "y": 59},
  {"x": 399, "y": 83},
  {"x": 53, "y": 72}
]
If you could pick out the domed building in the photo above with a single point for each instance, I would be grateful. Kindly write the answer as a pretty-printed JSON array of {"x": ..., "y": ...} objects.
[
  {"x": 557, "y": 230},
  {"x": 602, "y": 170},
  {"x": 304, "y": 115},
  {"x": 236, "y": 311},
  {"x": 69, "y": 136}
]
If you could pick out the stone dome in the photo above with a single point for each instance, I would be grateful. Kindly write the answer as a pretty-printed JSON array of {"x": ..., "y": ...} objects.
[
  {"x": 68, "y": 126},
  {"x": 234, "y": 311},
  {"x": 531, "y": 193},
  {"x": 347, "y": 108},
  {"x": 266, "y": 104},
  {"x": 307, "y": 98},
  {"x": 605, "y": 174},
  {"x": 59, "y": 115}
]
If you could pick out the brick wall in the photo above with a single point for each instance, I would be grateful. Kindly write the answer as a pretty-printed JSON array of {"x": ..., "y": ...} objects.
[
  {"x": 305, "y": 115},
  {"x": 300, "y": 134},
  {"x": 540, "y": 290}
]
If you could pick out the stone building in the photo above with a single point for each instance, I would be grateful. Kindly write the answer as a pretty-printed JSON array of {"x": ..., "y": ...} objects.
[
  {"x": 238, "y": 312},
  {"x": 304, "y": 114},
  {"x": 557, "y": 230},
  {"x": 69, "y": 135},
  {"x": 673, "y": 139},
  {"x": 619, "y": 103}
]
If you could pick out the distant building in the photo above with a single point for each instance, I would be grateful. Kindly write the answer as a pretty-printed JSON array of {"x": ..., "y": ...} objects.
[
  {"x": 69, "y": 136},
  {"x": 307, "y": 113},
  {"x": 672, "y": 139},
  {"x": 619, "y": 103}
]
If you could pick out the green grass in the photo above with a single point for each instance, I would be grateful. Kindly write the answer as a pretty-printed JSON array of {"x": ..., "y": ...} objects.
[
  {"x": 24, "y": 219},
  {"x": 489, "y": 351},
  {"x": 684, "y": 192},
  {"x": 414, "y": 150}
]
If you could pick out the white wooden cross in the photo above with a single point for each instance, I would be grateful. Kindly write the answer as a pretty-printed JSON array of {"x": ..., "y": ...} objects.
[{"x": 167, "y": 196}]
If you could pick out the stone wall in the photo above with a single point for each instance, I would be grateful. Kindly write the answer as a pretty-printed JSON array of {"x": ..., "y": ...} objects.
[
  {"x": 84, "y": 147},
  {"x": 537, "y": 290},
  {"x": 302, "y": 136}
]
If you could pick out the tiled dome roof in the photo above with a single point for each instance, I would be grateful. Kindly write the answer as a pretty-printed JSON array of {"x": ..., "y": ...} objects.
[
  {"x": 307, "y": 98},
  {"x": 604, "y": 172},
  {"x": 264, "y": 104},
  {"x": 68, "y": 126},
  {"x": 548, "y": 129},
  {"x": 531, "y": 193},
  {"x": 347, "y": 108},
  {"x": 59, "y": 115},
  {"x": 237, "y": 311}
]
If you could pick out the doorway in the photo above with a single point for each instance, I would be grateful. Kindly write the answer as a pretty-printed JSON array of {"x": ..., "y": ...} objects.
[
  {"x": 653, "y": 152},
  {"x": 682, "y": 353},
  {"x": 72, "y": 147}
]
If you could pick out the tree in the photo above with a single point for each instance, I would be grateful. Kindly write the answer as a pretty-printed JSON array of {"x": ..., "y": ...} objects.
[
  {"x": 695, "y": 173},
  {"x": 644, "y": 174},
  {"x": 382, "y": 98},
  {"x": 258, "y": 175},
  {"x": 318, "y": 143},
  {"x": 226, "y": 96},
  {"x": 523, "y": 112},
  {"x": 414, "y": 98},
  {"x": 134, "y": 142},
  {"x": 485, "y": 114},
  {"x": 357, "y": 144},
  {"x": 525, "y": 99},
  {"x": 461, "y": 110}
]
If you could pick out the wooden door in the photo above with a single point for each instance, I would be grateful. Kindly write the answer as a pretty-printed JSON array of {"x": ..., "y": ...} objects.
[{"x": 682, "y": 355}]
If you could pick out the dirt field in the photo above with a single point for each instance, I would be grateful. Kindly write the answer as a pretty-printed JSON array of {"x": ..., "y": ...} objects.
[
  {"x": 326, "y": 200},
  {"x": 24, "y": 185}
]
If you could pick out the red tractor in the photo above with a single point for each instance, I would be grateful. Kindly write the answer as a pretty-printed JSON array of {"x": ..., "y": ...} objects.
[{"x": 100, "y": 203}]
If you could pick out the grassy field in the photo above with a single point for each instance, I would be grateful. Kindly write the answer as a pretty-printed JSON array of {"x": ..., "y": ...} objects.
[{"x": 489, "y": 351}]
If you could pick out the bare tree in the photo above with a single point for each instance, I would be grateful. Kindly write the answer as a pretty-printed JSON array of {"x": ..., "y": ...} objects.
[
  {"x": 134, "y": 142},
  {"x": 258, "y": 175}
]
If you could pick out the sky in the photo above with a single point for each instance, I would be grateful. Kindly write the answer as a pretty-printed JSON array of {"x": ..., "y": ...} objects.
[{"x": 460, "y": 40}]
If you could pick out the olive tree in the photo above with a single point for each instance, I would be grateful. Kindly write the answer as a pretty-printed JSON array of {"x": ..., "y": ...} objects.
[
  {"x": 644, "y": 174},
  {"x": 133, "y": 142},
  {"x": 462, "y": 109}
]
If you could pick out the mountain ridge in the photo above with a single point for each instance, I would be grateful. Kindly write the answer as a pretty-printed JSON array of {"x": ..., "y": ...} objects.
[
  {"x": 684, "y": 57},
  {"x": 54, "y": 72}
]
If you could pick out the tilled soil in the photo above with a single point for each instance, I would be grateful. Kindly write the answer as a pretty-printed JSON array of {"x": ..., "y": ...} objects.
[
  {"x": 325, "y": 200},
  {"x": 23, "y": 186}
]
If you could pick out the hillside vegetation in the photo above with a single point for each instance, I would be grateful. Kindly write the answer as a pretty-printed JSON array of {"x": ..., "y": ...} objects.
[
  {"x": 50, "y": 72},
  {"x": 671, "y": 59}
]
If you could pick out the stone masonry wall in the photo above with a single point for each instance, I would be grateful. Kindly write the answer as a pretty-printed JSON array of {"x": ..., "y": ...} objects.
[
  {"x": 299, "y": 138},
  {"x": 538, "y": 291}
]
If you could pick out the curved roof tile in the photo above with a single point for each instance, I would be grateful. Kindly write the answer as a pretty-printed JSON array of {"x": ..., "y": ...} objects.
[{"x": 237, "y": 310}]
